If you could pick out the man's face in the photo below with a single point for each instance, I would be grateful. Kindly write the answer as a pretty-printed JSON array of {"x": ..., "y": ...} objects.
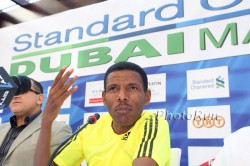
[
  {"x": 125, "y": 97},
  {"x": 26, "y": 104}
]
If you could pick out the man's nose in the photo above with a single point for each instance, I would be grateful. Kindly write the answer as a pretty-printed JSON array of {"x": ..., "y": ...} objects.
[
  {"x": 123, "y": 95},
  {"x": 15, "y": 97}
]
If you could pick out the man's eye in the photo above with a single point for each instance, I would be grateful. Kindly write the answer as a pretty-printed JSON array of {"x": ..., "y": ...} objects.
[
  {"x": 112, "y": 88},
  {"x": 133, "y": 87}
]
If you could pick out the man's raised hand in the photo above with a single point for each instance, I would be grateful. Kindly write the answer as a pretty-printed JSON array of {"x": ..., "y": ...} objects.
[{"x": 60, "y": 90}]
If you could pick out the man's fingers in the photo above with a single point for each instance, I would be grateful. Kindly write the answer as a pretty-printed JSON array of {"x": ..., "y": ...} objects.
[
  {"x": 68, "y": 93},
  {"x": 70, "y": 82},
  {"x": 60, "y": 85},
  {"x": 54, "y": 103},
  {"x": 59, "y": 76}
]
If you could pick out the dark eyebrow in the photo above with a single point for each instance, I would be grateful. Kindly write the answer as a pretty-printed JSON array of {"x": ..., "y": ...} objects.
[
  {"x": 111, "y": 85},
  {"x": 134, "y": 83}
]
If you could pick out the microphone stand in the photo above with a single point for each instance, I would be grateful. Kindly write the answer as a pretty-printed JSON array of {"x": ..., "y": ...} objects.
[{"x": 65, "y": 143}]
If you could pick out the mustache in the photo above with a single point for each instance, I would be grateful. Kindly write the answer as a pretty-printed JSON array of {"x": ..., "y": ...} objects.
[{"x": 123, "y": 106}]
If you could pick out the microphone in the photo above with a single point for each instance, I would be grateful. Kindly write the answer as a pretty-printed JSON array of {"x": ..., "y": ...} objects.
[
  {"x": 8, "y": 88},
  {"x": 91, "y": 120}
]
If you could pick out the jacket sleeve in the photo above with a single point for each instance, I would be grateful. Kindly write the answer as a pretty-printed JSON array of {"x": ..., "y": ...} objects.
[{"x": 60, "y": 132}]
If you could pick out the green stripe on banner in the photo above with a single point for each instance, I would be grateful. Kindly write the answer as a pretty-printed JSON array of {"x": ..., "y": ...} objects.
[
  {"x": 175, "y": 43},
  {"x": 78, "y": 45}
]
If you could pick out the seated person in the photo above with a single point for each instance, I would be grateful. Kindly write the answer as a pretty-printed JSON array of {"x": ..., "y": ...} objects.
[
  {"x": 235, "y": 151},
  {"x": 126, "y": 135},
  {"x": 19, "y": 136}
]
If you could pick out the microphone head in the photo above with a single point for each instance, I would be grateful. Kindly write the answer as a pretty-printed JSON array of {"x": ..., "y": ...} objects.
[
  {"x": 97, "y": 116},
  {"x": 92, "y": 119}
]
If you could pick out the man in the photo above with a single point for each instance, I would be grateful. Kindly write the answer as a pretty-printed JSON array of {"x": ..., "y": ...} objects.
[
  {"x": 125, "y": 136},
  {"x": 19, "y": 137}
]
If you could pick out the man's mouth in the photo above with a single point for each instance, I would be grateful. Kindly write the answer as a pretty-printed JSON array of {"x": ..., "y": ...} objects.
[{"x": 123, "y": 109}]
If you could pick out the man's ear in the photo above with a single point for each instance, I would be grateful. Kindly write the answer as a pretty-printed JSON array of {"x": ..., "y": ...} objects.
[
  {"x": 103, "y": 97},
  {"x": 148, "y": 97},
  {"x": 40, "y": 99}
]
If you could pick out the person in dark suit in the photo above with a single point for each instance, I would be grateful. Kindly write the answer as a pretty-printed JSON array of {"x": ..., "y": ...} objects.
[{"x": 19, "y": 136}]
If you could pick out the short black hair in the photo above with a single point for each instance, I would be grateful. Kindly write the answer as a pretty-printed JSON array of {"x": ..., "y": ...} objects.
[{"x": 127, "y": 66}]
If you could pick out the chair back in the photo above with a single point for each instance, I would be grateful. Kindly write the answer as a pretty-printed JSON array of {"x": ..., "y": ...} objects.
[{"x": 176, "y": 157}]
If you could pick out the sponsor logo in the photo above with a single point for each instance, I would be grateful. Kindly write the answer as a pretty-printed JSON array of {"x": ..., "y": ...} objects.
[
  {"x": 95, "y": 100},
  {"x": 207, "y": 83},
  {"x": 157, "y": 85},
  {"x": 209, "y": 121},
  {"x": 3, "y": 98},
  {"x": 125, "y": 137},
  {"x": 220, "y": 83},
  {"x": 93, "y": 93}
]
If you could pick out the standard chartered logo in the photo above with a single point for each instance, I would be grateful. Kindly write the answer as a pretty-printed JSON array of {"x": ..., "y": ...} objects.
[
  {"x": 208, "y": 83},
  {"x": 220, "y": 82},
  {"x": 202, "y": 84}
]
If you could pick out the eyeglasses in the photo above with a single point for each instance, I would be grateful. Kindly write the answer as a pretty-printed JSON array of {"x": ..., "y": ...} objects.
[{"x": 23, "y": 84}]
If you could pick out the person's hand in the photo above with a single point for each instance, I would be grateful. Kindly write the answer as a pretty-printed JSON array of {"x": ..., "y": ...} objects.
[{"x": 61, "y": 89}]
